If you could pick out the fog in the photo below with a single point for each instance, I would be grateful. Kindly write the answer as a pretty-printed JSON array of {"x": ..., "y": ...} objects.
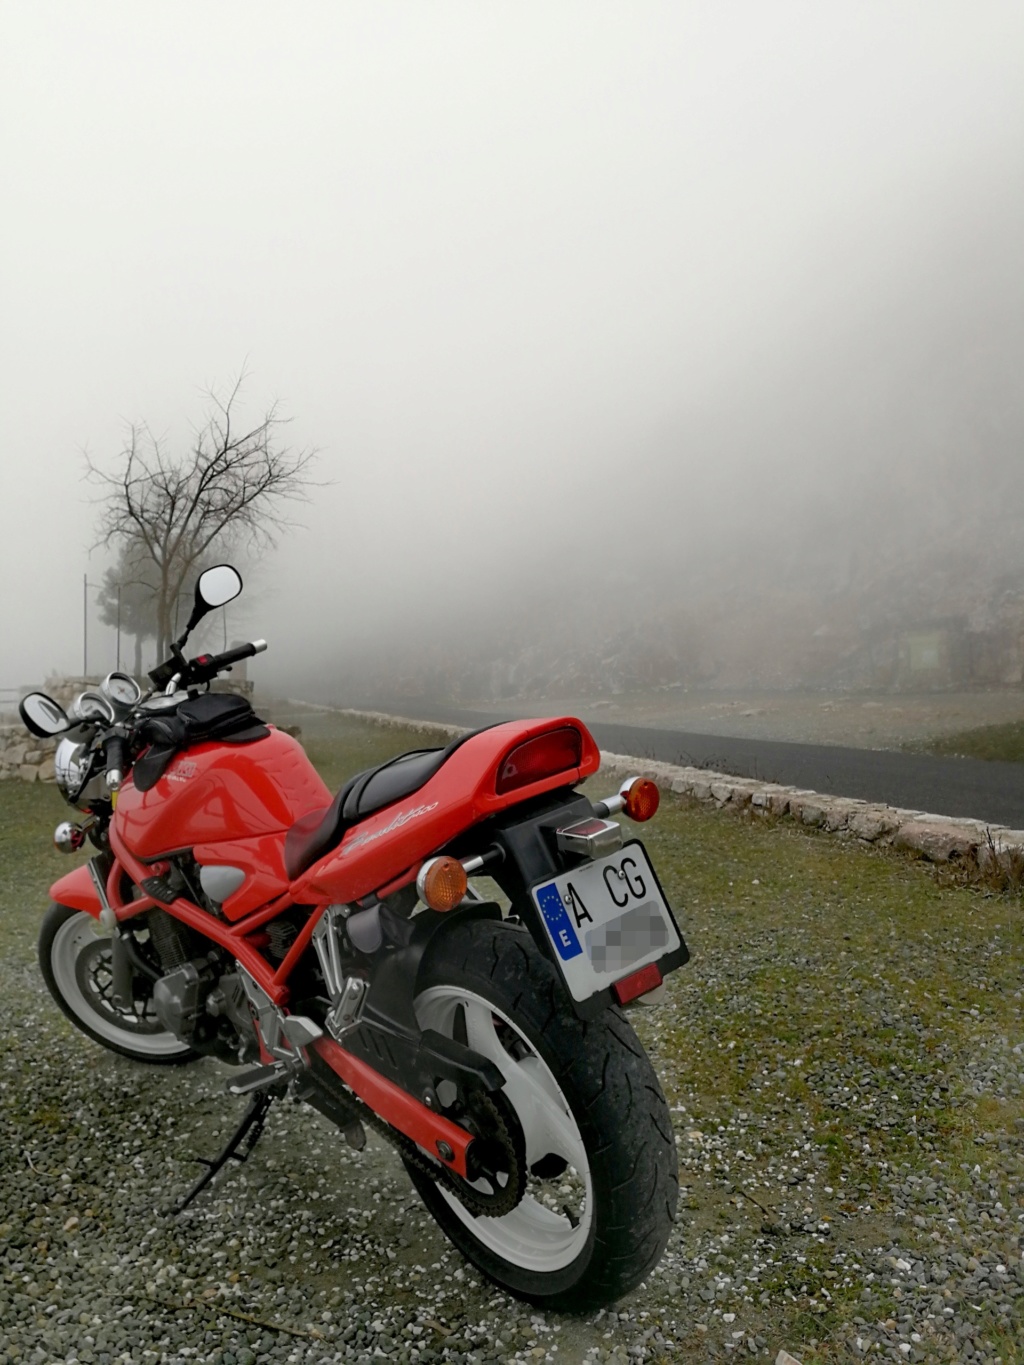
[{"x": 679, "y": 331}]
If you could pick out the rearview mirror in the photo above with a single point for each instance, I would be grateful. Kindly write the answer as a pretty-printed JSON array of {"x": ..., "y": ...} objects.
[
  {"x": 217, "y": 586},
  {"x": 43, "y": 716},
  {"x": 214, "y": 588}
]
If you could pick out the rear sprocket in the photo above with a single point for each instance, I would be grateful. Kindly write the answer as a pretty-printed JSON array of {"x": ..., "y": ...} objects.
[{"x": 496, "y": 1158}]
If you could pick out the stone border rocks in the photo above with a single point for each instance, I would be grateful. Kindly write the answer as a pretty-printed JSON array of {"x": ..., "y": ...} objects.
[
  {"x": 25, "y": 757},
  {"x": 386, "y": 722},
  {"x": 939, "y": 838}
]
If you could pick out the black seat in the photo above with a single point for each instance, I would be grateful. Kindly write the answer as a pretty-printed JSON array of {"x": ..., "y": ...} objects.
[{"x": 315, "y": 834}]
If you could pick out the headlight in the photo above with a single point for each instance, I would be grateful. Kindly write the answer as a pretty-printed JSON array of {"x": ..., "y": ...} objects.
[{"x": 71, "y": 765}]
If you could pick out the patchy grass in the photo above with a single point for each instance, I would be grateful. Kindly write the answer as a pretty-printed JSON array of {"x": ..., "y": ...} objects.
[
  {"x": 29, "y": 863},
  {"x": 1004, "y": 743},
  {"x": 340, "y": 746},
  {"x": 842, "y": 1055}
]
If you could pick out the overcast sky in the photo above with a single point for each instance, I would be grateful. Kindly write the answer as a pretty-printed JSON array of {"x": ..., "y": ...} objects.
[{"x": 542, "y": 280}]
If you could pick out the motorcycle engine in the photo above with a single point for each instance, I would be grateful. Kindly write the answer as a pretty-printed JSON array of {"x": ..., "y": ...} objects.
[
  {"x": 206, "y": 1009},
  {"x": 180, "y": 997},
  {"x": 196, "y": 999}
]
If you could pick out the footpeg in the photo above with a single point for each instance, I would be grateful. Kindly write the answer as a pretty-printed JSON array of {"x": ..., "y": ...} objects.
[{"x": 259, "y": 1078}]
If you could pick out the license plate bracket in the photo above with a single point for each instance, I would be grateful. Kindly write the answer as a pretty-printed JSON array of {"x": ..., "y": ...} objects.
[{"x": 607, "y": 919}]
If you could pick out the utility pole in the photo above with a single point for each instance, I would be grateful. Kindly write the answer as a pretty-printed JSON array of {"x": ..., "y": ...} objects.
[
  {"x": 86, "y": 585},
  {"x": 119, "y": 627}
]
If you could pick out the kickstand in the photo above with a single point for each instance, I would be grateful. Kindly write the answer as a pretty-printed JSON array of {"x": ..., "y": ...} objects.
[{"x": 247, "y": 1133}]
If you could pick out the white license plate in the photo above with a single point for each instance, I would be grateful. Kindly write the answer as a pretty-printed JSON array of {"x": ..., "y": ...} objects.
[{"x": 606, "y": 919}]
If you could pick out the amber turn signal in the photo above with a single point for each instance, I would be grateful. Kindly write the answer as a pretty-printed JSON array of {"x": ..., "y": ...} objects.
[
  {"x": 442, "y": 883},
  {"x": 642, "y": 799}
]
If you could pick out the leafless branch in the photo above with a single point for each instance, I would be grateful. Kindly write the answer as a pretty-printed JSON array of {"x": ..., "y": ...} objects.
[{"x": 172, "y": 511}]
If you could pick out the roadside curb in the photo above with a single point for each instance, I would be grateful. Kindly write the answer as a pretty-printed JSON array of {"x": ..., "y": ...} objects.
[{"x": 938, "y": 838}]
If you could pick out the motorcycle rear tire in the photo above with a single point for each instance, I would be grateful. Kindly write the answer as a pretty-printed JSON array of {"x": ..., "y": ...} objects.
[
  {"x": 588, "y": 1100},
  {"x": 74, "y": 961}
]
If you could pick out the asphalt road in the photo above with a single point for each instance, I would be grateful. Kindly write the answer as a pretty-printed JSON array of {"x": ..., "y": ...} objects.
[{"x": 944, "y": 786}]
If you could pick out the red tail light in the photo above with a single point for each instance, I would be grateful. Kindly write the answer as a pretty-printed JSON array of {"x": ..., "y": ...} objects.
[
  {"x": 637, "y": 983},
  {"x": 540, "y": 757}
]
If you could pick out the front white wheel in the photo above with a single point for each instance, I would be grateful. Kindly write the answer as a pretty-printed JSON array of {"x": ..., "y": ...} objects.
[{"x": 76, "y": 966}]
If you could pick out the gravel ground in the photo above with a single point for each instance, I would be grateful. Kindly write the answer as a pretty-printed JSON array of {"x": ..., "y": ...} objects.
[{"x": 845, "y": 1066}]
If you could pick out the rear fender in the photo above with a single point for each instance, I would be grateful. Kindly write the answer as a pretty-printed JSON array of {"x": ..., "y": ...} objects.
[
  {"x": 461, "y": 794},
  {"x": 388, "y": 1035},
  {"x": 77, "y": 891}
]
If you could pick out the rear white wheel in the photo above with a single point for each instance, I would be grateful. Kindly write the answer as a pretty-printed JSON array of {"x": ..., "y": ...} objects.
[
  {"x": 76, "y": 964},
  {"x": 601, "y": 1175},
  {"x": 549, "y": 1228}
]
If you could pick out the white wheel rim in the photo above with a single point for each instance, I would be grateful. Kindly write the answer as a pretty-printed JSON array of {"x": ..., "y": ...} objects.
[
  {"x": 74, "y": 937},
  {"x": 533, "y": 1236}
]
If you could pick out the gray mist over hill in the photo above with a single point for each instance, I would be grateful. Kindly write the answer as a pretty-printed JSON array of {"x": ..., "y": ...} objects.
[
  {"x": 852, "y": 490},
  {"x": 659, "y": 345}
]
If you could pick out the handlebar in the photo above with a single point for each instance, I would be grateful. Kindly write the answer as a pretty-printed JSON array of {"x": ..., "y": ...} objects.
[
  {"x": 205, "y": 666},
  {"x": 117, "y": 758},
  {"x": 114, "y": 743}
]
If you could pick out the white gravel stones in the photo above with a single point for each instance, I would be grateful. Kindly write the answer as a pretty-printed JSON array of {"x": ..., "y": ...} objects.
[
  {"x": 905, "y": 1244},
  {"x": 311, "y": 1254}
]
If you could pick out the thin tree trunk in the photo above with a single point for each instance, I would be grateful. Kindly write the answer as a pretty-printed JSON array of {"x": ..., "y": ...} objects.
[{"x": 163, "y": 623}]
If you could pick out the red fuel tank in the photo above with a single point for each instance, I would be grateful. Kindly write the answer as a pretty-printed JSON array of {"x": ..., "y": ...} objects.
[{"x": 216, "y": 793}]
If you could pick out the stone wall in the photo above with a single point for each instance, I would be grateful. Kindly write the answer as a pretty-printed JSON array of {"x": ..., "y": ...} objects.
[{"x": 25, "y": 757}]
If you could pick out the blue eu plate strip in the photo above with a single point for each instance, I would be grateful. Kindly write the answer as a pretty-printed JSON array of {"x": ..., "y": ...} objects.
[{"x": 563, "y": 935}]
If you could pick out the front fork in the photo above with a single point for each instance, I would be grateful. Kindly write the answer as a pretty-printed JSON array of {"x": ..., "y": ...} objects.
[{"x": 125, "y": 959}]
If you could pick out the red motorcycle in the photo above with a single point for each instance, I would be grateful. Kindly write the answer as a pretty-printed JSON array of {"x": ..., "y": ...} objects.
[{"x": 337, "y": 950}]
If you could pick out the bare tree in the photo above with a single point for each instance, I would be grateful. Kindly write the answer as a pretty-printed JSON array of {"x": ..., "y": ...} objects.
[
  {"x": 166, "y": 513},
  {"x": 130, "y": 589},
  {"x": 128, "y": 595}
]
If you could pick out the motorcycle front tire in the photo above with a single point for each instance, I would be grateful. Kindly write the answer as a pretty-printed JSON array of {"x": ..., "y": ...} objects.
[
  {"x": 74, "y": 958},
  {"x": 602, "y": 1182}
]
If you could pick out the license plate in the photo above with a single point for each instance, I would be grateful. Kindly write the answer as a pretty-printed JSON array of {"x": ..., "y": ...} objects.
[{"x": 606, "y": 919}]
